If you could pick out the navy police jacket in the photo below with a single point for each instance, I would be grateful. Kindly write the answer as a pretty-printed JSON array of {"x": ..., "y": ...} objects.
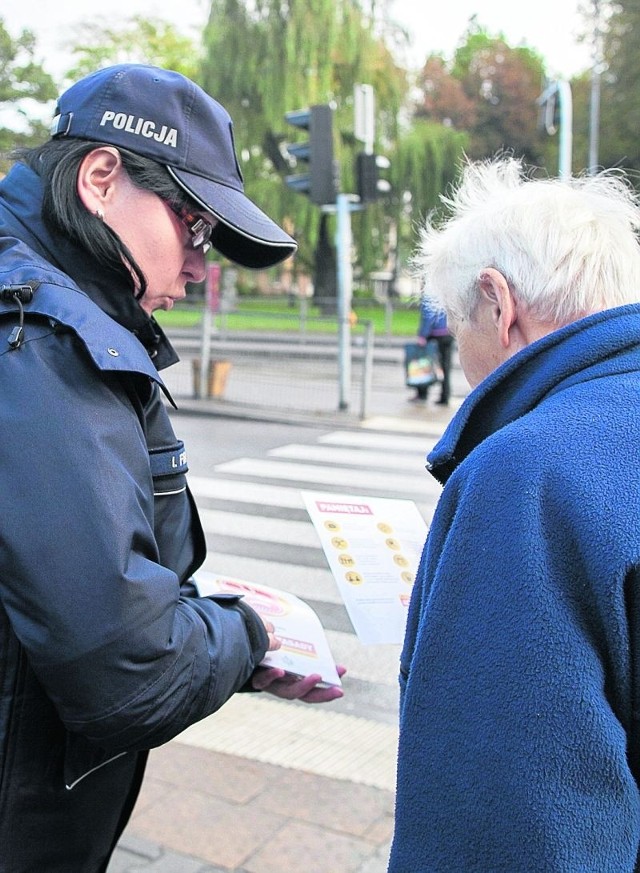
[{"x": 103, "y": 654}]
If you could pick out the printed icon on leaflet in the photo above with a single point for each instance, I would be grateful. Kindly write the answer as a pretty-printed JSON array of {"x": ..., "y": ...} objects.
[{"x": 354, "y": 578}]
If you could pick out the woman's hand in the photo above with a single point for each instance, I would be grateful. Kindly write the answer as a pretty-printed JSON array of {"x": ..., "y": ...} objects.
[{"x": 282, "y": 684}]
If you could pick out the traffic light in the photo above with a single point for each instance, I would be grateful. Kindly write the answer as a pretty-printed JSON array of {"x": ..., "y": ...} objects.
[
  {"x": 320, "y": 183},
  {"x": 370, "y": 185}
]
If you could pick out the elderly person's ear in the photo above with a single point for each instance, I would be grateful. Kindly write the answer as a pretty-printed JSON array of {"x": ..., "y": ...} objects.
[{"x": 495, "y": 293}]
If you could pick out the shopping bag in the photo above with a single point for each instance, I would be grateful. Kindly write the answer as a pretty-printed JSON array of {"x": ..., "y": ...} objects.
[{"x": 421, "y": 364}]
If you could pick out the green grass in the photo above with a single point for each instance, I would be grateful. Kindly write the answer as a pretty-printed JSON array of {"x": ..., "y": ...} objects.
[
  {"x": 275, "y": 315},
  {"x": 178, "y": 318}
]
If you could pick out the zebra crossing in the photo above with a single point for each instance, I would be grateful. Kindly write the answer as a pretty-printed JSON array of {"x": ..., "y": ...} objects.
[{"x": 257, "y": 529}]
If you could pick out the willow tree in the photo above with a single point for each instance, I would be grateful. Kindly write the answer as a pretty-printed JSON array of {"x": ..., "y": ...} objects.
[
  {"x": 263, "y": 58},
  {"x": 427, "y": 160}
]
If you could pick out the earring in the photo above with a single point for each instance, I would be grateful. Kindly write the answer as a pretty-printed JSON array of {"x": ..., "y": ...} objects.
[{"x": 99, "y": 214}]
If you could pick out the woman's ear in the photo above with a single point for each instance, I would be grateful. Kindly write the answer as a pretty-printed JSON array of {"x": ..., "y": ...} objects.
[
  {"x": 495, "y": 293},
  {"x": 98, "y": 175}
]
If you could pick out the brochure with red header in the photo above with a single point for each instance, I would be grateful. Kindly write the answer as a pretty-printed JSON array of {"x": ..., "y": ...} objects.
[{"x": 304, "y": 648}]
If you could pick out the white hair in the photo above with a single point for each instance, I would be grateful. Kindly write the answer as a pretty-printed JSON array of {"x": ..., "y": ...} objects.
[{"x": 567, "y": 247}]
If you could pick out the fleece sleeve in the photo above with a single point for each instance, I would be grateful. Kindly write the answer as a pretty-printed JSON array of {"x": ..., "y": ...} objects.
[{"x": 512, "y": 753}]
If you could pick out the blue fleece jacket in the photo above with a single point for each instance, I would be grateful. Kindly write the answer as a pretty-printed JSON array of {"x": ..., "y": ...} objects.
[{"x": 520, "y": 672}]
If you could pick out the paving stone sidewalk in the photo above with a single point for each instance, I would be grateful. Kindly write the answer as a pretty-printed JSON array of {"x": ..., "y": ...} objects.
[{"x": 205, "y": 812}]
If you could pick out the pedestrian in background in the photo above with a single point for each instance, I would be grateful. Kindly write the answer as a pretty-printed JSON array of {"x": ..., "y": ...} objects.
[
  {"x": 433, "y": 326},
  {"x": 520, "y": 673},
  {"x": 106, "y": 651}
]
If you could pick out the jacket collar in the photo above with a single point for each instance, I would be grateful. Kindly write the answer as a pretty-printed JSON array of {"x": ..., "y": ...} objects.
[
  {"x": 21, "y": 193},
  {"x": 601, "y": 344},
  {"x": 59, "y": 300}
]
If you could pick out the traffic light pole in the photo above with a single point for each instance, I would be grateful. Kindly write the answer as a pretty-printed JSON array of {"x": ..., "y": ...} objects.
[
  {"x": 322, "y": 185},
  {"x": 344, "y": 204}
]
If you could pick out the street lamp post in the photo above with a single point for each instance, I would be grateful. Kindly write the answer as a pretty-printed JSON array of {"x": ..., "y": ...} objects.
[{"x": 559, "y": 91}]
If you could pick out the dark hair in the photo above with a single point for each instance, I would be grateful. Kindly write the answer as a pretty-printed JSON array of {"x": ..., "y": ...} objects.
[{"x": 57, "y": 162}]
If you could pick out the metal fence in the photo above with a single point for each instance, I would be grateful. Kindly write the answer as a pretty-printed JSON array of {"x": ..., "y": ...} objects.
[{"x": 290, "y": 363}]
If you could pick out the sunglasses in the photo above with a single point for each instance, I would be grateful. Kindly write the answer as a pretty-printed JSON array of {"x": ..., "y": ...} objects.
[{"x": 199, "y": 228}]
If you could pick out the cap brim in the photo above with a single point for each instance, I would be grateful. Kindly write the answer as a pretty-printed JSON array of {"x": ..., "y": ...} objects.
[{"x": 244, "y": 233}]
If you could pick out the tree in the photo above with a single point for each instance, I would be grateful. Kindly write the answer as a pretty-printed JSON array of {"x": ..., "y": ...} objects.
[
  {"x": 620, "y": 102},
  {"x": 490, "y": 91},
  {"x": 265, "y": 58},
  {"x": 504, "y": 84},
  {"x": 427, "y": 160},
  {"x": 96, "y": 44},
  {"x": 25, "y": 88},
  {"x": 443, "y": 97}
]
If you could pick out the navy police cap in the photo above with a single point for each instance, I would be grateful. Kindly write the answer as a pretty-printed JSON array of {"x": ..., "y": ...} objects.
[{"x": 162, "y": 115}]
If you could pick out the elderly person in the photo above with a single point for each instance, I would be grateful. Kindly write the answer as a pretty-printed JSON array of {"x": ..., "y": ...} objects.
[
  {"x": 105, "y": 652},
  {"x": 520, "y": 673}
]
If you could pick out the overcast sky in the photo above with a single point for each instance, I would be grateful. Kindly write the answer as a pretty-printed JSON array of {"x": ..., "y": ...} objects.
[{"x": 551, "y": 27}]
